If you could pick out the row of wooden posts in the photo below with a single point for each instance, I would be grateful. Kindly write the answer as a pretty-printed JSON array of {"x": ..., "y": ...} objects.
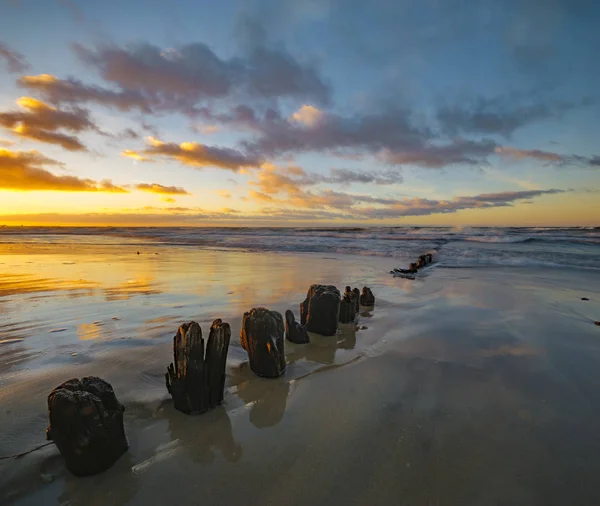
[
  {"x": 86, "y": 418},
  {"x": 413, "y": 268}
]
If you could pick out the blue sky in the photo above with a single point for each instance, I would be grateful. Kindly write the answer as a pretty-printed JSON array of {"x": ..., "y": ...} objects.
[{"x": 291, "y": 111}]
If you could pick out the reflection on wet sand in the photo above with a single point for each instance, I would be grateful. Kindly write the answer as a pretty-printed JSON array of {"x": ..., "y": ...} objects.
[
  {"x": 131, "y": 287},
  {"x": 266, "y": 397},
  {"x": 21, "y": 284},
  {"x": 117, "y": 486},
  {"x": 211, "y": 431}
]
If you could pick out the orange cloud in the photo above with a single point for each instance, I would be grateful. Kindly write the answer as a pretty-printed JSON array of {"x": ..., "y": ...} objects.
[
  {"x": 41, "y": 122},
  {"x": 159, "y": 188},
  {"x": 128, "y": 153},
  {"x": 308, "y": 115},
  {"x": 195, "y": 155},
  {"x": 25, "y": 171}
]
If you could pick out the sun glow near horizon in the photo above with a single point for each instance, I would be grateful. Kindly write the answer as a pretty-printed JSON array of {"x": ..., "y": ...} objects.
[{"x": 252, "y": 124}]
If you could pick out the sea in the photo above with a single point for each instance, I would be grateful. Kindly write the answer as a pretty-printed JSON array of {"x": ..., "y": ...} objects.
[{"x": 452, "y": 247}]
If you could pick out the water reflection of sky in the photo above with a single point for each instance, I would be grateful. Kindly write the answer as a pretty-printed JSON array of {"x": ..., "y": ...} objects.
[{"x": 62, "y": 300}]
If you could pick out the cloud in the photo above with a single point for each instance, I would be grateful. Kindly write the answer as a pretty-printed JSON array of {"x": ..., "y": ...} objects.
[
  {"x": 548, "y": 156},
  {"x": 437, "y": 156},
  {"x": 347, "y": 176},
  {"x": 73, "y": 91},
  {"x": 159, "y": 188},
  {"x": 25, "y": 171},
  {"x": 195, "y": 155},
  {"x": 421, "y": 207},
  {"x": 205, "y": 129},
  {"x": 273, "y": 182},
  {"x": 224, "y": 194},
  {"x": 501, "y": 115},
  {"x": 40, "y": 121},
  {"x": 519, "y": 154},
  {"x": 392, "y": 129},
  {"x": 128, "y": 153},
  {"x": 5, "y": 143},
  {"x": 15, "y": 62},
  {"x": 179, "y": 78},
  {"x": 307, "y": 115}
]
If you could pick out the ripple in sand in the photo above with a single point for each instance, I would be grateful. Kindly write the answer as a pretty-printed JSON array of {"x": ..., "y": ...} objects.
[{"x": 53, "y": 331}]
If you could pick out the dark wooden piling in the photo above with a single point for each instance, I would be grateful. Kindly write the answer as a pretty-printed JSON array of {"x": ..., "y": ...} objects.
[
  {"x": 348, "y": 306},
  {"x": 262, "y": 337},
  {"x": 86, "y": 424},
  {"x": 294, "y": 331},
  {"x": 195, "y": 379},
  {"x": 321, "y": 309},
  {"x": 356, "y": 293},
  {"x": 367, "y": 298}
]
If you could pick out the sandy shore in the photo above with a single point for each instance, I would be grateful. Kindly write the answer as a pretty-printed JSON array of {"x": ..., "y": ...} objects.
[{"x": 467, "y": 387}]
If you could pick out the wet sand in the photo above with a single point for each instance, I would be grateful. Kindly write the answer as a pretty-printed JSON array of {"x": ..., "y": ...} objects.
[{"x": 467, "y": 387}]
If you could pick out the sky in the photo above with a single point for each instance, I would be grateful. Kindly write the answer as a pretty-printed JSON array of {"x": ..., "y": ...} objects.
[{"x": 289, "y": 112}]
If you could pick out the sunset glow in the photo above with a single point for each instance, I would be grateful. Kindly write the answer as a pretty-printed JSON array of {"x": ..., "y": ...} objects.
[{"x": 256, "y": 124}]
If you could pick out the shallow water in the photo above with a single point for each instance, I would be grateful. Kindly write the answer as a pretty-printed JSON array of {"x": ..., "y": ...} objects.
[{"x": 467, "y": 386}]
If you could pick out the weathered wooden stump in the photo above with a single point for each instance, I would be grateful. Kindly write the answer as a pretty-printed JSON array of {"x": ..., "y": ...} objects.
[
  {"x": 356, "y": 293},
  {"x": 420, "y": 263},
  {"x": 262, "y": 337},
  {"x": 413, "y": 268},
  {"x": 195, "y": 379},
  {"x": 321, "y": 309},
  {"x": 429, "y": 258},
  {"x": 367, "y": 298},
  {"x": 86, "y": 424},
  {"x": 348, "y": 306},
  {"x": 294, "y": 331}
]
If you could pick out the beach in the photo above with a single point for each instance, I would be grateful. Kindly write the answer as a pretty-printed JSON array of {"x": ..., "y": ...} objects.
[{"x": 474, "y": 384}]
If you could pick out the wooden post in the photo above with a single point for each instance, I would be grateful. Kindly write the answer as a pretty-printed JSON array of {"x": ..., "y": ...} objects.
[
  {"x": 321, "y": 309},
  {"x": 348, "y": 306},
  {"x": 196, "y": 380},
  {"x": 367, "y": 298},
  {"x": 86, "y": 424},
  {"x": 216, "y": 361},
  {"x": 262, "y": 337},
  {"x": 294, "y": 332},
  {"x": 413, "y": 268},
  {"x": 429, "y": 258},
  {"x": 356, "y": 293}
]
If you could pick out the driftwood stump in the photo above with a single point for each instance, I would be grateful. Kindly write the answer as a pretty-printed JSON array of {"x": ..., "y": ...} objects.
[
  {"x": 262, "y": 337},
  {"x": 413, "y": 268},
  {"x": 86, "y": 424},
  {"x": 356, "y": 293},
  {"x": 294, "y": 331},
  {"x": 429, "y": 258},
  {"x": 321, "y": 309},
  {"x": 367, "y": 298},
  {"x": 348, "y": 306},
  {"x": 195, "y": 379}
]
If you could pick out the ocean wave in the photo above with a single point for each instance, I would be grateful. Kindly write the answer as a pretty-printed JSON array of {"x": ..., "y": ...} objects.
[{"x": 459, "y": 246}]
